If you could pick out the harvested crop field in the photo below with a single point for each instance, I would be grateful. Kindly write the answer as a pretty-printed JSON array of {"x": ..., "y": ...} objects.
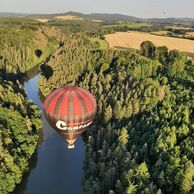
[
  {"x": 98, "y": 21},
  {"x": 42, "y": 20},
  {"x": 134, "y": 40},
  {"x": 68, "y": 17},
  {"x": 191, "y": 33}
]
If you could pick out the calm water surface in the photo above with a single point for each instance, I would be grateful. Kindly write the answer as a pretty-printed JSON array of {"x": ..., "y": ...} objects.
[{"x": 55, "y": 169}]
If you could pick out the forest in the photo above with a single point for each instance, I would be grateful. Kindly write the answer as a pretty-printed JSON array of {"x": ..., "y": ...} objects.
[
  {"x": 142, "y": 140},
  {"x": 25, "y": 44},
  {"x": 20, "y": 119},
  {"x": 20, "y": 125}
]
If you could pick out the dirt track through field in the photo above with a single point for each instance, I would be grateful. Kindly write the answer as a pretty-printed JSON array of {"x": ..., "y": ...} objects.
[{"x": 134, "y": 40}]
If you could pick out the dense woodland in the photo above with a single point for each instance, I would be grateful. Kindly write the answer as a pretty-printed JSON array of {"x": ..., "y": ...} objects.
[
  {"x": 24, "y": 44},
  {"x": 19, "y": 131},
  {"x": 142, "y": 139},
  {"x": 67, "y": 63},
  {"x": 20, "y": 119}
]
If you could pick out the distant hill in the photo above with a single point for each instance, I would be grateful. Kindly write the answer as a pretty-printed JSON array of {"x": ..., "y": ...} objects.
[
  {"x": 7, "y": 14},
  {"x": 171, "y": 20},
  {"x": 105, "y": 17}
]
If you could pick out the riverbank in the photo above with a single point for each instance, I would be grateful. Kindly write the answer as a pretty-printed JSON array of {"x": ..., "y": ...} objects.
[
  {"x": 19, "y": 132},
  {"x": 52, "y": 157}
]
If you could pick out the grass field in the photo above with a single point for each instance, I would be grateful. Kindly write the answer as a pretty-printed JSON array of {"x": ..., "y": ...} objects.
[
  {"x": 103, "y": 43},
  {"x": 134, "y": 40},
  {"x": 138, "y": 25}
]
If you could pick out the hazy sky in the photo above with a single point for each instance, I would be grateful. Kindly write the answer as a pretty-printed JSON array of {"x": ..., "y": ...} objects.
[{"x": 139, "y": 8}]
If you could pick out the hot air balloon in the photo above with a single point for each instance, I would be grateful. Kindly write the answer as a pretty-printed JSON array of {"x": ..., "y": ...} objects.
[{"x": 70, "y": 110}]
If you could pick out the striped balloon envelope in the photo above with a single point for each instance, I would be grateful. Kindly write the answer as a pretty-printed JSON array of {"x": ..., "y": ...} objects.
[{"x": 70, "y": 110}]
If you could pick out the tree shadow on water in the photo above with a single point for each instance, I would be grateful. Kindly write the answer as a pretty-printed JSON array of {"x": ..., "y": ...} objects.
[{"x": 22, "y": 187}]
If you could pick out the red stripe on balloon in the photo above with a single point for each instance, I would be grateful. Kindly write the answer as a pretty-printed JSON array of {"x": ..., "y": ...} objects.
[
  {"x": 58, "y": 104},
  {"x": 86, "y": 101},
  {"x": 71, "y": 107},
  {"x": 64, "y": 105},
  {"x": 50, "y": 96},
  {"x": 83, "y": 106},
  {"x": 77, "y": 107},
  {"x": 52, "y": 105},
  {"x": 89, "y": 96}
]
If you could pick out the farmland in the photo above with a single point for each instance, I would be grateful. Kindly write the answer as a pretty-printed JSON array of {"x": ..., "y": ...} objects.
[
  {"x": 68, "y": 17},
  {"x": 190, "y": 33},
  {"x": 98, "y": 21},
  {"x": 42, "y": 20},
  {"x": 134, "y": 39}
]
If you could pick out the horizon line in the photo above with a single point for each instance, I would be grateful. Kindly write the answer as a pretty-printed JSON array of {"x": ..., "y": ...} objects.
[{"x": 51, "y": 13}]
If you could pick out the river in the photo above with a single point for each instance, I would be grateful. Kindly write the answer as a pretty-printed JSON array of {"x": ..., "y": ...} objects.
[{"x": 54, "y": 168}]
